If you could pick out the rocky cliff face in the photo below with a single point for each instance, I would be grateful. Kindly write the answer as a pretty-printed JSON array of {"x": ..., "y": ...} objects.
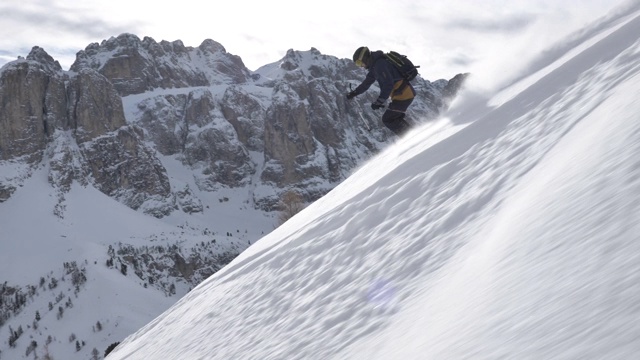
[
  {"x": 135, "y": 66},
  {"x": 32, "y": 102},
  {"x": 286, "y": 125},
  {"x": 75, "y": 123}
]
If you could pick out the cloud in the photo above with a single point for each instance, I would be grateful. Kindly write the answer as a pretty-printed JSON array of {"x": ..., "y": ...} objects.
[
  {"x": 61, "y": 29},
  {"x": 512, "y": 24},
  {"x": 461, "y": 60},
  {"x": 54, "y": 20}
]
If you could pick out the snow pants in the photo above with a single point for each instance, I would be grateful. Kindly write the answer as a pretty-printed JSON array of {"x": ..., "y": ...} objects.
[{"x": 393, "y": 118}]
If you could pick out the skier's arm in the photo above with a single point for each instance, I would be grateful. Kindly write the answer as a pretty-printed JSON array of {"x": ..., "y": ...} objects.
[{"x": 366, "y": 83}]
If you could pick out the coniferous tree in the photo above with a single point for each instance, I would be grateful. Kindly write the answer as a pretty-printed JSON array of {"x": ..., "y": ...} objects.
[
  {"x": 110, "y": 348},
  {"x": 123, "y": 269},
  {"x": 37, "y": 315},
  {"x": 12, "y": 337},
  {"x": 32, "y": 290},
  {"x": 53, "y": 284},
  {"x": 32, "y": 346}
]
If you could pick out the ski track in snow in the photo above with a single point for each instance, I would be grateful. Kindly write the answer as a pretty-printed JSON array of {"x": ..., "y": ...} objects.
[{"x": 439, "y": 252}]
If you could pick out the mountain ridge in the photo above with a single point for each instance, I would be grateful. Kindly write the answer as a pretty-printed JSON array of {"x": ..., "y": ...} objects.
[{"x": 282, "y": 96}]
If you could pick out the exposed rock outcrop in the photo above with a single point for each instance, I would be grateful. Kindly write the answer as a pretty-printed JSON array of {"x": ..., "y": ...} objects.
[
  {"x": 125, "y": 169},
  {"x": 95, "y": 108},
  {"x": 135, "y": 66},
  {"x": 43, "y": 108},
  {"x": 32, "y": 103}
]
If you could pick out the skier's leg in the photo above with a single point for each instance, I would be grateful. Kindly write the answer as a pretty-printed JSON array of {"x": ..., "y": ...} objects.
[{"x": 393, "y": 117}]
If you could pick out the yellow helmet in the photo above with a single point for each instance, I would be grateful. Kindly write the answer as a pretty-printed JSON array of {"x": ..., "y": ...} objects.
[{"x": 361, "y": 56}]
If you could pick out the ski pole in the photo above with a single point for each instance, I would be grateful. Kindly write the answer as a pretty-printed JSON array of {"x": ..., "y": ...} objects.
[{"x": 366, "y": 124}]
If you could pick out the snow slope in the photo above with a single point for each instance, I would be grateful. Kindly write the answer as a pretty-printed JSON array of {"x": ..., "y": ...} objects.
[
  {"x": 92, "y": 221},
  {"x": 514, "y": 236}
]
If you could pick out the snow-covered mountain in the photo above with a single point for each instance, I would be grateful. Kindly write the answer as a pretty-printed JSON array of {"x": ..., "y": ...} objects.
[
  {"x": 507, "y": 230},
  {"x": 145, "y": 168}
]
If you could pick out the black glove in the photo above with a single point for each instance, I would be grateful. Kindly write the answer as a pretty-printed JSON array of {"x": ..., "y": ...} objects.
[
  {"x": 351, "y": 95},
  {"x": 378, "y": 104}
]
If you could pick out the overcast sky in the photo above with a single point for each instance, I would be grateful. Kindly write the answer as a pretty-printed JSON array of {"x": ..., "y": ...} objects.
[{"x": 445, "y": 37}]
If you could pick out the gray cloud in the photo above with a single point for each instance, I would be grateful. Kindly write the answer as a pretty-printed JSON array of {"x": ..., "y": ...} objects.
[
  {"x": 56, "y": 29},
  {"x": 53, "y": 19},
  {"x": 461, "y": 60},
  {"x": 511, "y": 24}
]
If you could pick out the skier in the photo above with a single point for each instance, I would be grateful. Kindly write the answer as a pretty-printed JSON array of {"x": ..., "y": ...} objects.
[{"x": 391, "y": 83}]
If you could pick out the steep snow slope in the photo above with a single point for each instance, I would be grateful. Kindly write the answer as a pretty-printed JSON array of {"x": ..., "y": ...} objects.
[{"x": 512, "y": 237}]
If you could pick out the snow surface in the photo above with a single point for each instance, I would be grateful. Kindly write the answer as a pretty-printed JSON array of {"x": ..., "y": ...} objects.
[
  {"x": 511, "y": 237},
  {"x": 92, "y": 221}
]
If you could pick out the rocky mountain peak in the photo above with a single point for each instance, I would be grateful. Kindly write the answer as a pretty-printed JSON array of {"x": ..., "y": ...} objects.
[
  {"x": 136, "y": 66},
  {"x": 295, "y": 58},
  {"x": 212, "y": 47},
  {"x": 307, "y": 65},
  {"x": 168, "y": 47},
  {"x": 125, "y": 40},
  {"x": 39, "y": 55}
]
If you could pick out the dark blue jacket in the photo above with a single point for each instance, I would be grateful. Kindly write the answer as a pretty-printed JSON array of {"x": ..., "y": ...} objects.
[{"x": 382, "y": 70}]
